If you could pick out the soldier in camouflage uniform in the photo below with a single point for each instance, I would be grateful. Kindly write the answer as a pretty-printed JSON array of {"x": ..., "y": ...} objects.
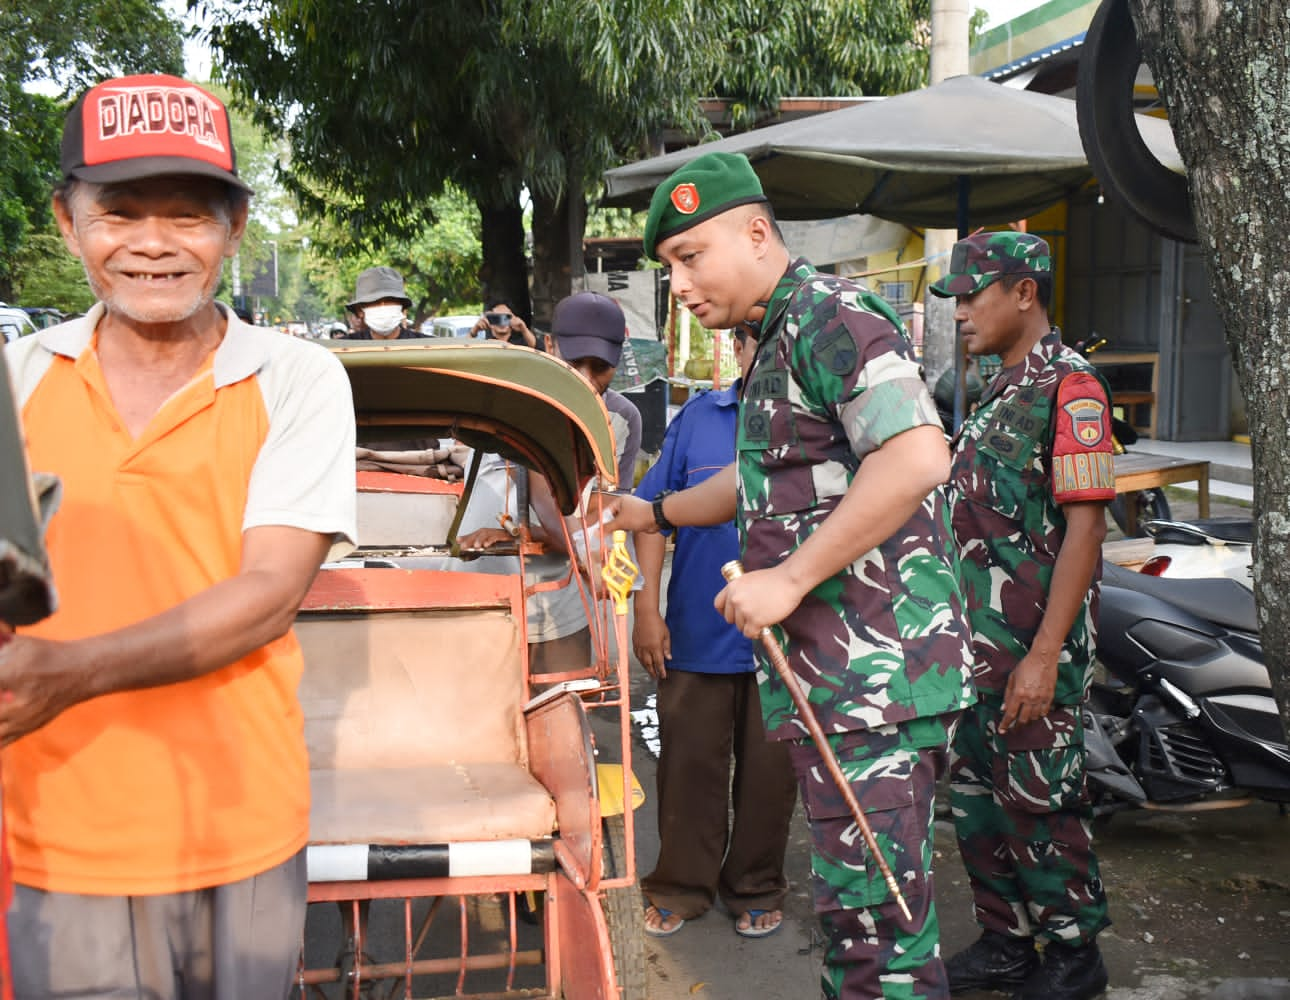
[
  {"x": 845, "y": 536},
  {"x": 1032, "y": 475}
]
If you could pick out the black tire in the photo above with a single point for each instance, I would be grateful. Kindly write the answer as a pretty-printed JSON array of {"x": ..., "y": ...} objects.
[
  {"x": 1152, "y": 505},
  {"x": 1127, "y": 170},
  {"x": 625, "y": 915}
]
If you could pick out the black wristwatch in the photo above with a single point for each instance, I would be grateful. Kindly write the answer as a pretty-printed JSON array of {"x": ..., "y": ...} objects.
[{"x": 659, "y": 517}]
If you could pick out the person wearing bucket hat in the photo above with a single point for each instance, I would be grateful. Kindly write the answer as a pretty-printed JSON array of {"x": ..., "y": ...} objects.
[
  {"x": 836, "y": 490},
  {"x": 1032, "y": 476},
  {"x": 381, "y": 304},
  {"x": 210, "y": 464}
]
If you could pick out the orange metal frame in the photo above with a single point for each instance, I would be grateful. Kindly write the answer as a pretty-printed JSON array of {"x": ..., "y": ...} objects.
[{"x": 362, "y": 590}]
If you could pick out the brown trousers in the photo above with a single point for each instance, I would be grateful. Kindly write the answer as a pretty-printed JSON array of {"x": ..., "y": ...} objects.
[{"x": 705, "y": 720}]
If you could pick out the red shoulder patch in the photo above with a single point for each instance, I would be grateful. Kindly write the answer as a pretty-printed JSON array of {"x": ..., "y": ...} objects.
[{"x": 1083, "y": 450}]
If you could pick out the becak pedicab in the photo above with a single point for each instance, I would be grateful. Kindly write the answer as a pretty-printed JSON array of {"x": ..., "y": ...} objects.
[{"x": 447, "y": 782}]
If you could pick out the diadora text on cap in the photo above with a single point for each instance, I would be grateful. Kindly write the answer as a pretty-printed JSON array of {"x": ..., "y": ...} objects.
[{"x": 148, "y": 126}]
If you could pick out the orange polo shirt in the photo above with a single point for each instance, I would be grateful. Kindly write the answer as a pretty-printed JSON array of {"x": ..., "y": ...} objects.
[{"x": 203, "y": 782}]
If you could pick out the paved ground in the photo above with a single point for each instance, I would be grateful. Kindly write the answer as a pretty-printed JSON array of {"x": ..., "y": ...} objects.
[{"x": 1200, "y": 903}]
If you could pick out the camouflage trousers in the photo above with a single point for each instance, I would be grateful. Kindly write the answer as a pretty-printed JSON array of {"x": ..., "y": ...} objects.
[
  {"x": 872, "y": 951},
  {"x": 1022, "y": 818}
]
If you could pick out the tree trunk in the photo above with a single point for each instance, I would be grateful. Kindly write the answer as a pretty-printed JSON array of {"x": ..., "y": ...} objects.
[
  {"x": 1223, "y": 72},
  {"x": 504, "y": 272},
  {"x": 558, "y": 225}
]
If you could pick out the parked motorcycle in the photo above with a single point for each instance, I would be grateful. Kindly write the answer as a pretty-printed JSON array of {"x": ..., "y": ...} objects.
[
  {"x": 1206, "y": 547},
  {"x": 1181, "y": 714}
]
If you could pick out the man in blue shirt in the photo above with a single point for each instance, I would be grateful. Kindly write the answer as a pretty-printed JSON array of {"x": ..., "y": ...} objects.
[{"x": 708, "y": 705}]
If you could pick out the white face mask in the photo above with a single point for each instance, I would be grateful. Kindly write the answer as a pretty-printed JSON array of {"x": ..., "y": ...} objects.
[{"x": 383, "y": 319}]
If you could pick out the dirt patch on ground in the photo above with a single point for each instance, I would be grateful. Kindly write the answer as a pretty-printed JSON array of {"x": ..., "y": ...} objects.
[{"x": 1200, "y": 903}]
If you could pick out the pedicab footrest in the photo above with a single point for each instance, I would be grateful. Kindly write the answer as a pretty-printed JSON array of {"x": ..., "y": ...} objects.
[{"x": 382, "y": 862}]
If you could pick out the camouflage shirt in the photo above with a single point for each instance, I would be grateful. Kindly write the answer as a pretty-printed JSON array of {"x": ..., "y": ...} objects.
[
  {"x": 886, "y": 639},
  {"x": 1039, "y": 437}
]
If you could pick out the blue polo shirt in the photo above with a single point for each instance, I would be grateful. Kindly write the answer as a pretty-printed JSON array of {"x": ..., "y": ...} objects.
[{"x": 700, "y": 440}]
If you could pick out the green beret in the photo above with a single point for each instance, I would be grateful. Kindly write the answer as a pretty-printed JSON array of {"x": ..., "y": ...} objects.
[
  {"x": 704, "y": 187},
  {"x": 978, "y": 260}
]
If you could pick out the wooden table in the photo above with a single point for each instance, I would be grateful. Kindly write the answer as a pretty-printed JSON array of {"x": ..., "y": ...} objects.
[
  {"x": 1141, "y": 470},
  {"x": 1130, "y": 400}
]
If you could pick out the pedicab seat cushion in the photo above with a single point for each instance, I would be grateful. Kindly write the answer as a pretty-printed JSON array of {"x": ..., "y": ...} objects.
[
  {"x": 415, "y": 727},
  {"x": 433, "y": 804}
]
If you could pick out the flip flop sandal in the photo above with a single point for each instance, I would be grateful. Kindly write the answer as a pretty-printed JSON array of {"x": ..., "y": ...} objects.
[
  {"x": 664, "y": 931},
  {"x": 752, "y": 930}
]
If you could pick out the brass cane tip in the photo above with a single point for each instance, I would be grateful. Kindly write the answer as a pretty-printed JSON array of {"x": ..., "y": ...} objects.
[{"x": 732, "y": 570}]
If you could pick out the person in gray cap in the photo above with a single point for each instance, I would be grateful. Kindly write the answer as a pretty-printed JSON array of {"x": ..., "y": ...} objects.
[
  {"x": 381, "y": 304},
  {"x": 588, "y": 331}
]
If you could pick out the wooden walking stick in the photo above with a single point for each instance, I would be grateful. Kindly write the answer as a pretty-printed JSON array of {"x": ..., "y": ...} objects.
[{"x": 732, "y": 571}]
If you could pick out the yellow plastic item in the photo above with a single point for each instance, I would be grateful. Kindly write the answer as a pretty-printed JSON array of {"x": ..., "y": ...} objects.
[
  {"x": 619, "y": 573},
  {"x": 609, "y": 780}
]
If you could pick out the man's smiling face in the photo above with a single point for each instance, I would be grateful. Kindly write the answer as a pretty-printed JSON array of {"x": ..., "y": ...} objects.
[{"x": 154, "y": 249}]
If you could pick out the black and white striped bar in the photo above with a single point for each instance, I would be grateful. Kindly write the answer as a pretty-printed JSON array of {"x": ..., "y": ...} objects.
[{"x": 382, "y": 862}]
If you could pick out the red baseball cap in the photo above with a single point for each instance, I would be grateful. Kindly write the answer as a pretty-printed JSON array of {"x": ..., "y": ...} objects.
[{"x": 148, "y": 126}]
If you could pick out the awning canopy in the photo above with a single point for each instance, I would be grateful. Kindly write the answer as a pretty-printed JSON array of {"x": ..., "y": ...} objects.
[{"x": 912, "y": 158}]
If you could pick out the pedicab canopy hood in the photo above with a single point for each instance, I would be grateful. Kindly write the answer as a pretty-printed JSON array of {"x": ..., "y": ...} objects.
[
  {"x": 133, "y": 127},
  {"x": 979, "y": 260},
  {"x": 703, "y": 188},
  {"x": 522, "y": 404}
]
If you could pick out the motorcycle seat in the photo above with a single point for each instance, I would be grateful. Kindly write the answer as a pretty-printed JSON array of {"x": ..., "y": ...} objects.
[
  {"x": 1219, "y": 600},
  {"x": 1203, "y": 531}
]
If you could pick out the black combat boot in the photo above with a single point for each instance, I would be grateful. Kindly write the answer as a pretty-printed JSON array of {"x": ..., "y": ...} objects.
[
  {"x": 995, "y": 962},
  {"x": 1068, "y": 972}
]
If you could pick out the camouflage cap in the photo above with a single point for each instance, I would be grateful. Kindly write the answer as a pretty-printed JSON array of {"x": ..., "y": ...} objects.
[
  {"x": 704, "y": 187},
  {"x": 978, "y": 260}
]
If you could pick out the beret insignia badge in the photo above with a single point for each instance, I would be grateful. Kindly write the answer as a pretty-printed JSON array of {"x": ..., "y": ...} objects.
[{"x": 685, "y": 198}]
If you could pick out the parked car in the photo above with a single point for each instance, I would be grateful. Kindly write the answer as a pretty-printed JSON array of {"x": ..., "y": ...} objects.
[
  {"x": 15, "y": 322},
  {"x": 449, "y": 326},
  {"x": 45, "y": 316}
]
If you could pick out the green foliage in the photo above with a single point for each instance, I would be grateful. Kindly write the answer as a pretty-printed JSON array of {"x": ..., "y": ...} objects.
[
  {"x": 67, "y": 46},
  {"x": 439, "y": 263},
  {"x": 76, "y": 43},
  {"x": 50, "y": 275},
  {"x": 31, "y": 126},
  {"x": 385, "y": 104},
  {"x": 494, "y": 97},
  {"x": 821, "y": 48},
  {"x": 614, "y": 222}
]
